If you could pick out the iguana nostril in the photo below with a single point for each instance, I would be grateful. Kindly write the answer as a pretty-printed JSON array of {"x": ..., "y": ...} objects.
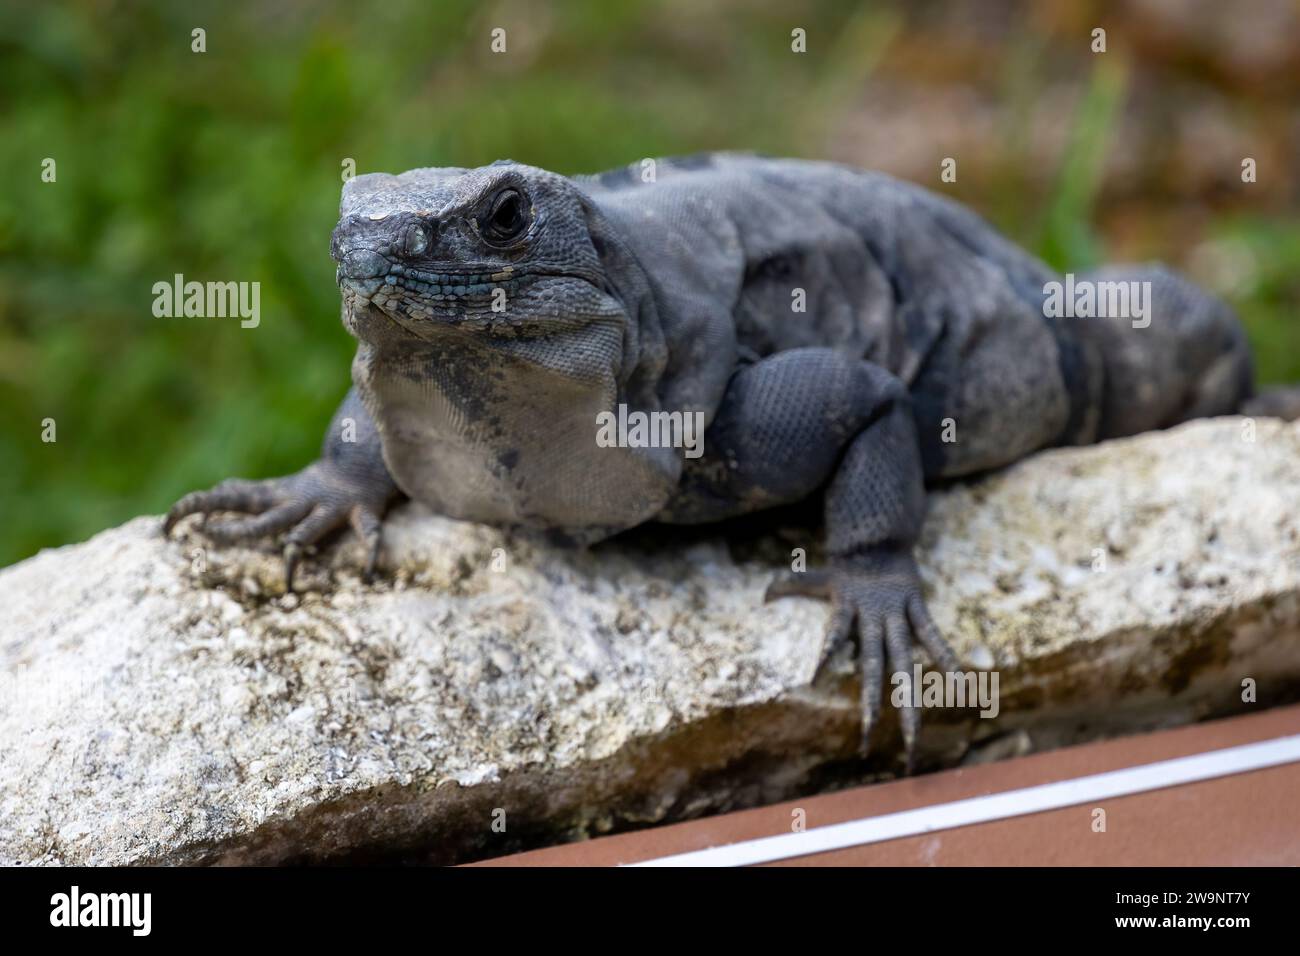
[{"x": 363, "y": 264}]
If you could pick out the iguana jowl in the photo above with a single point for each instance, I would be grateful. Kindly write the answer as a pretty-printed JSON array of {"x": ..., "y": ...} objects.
[{"x": 679, "y": 295}]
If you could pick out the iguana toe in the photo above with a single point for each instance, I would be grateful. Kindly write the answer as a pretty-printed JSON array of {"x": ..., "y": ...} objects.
[
  {"x": 267, "y": 523},
  {"x": 234, "y": 494}
]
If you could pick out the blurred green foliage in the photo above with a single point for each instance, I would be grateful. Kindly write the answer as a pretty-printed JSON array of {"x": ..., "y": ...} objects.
[{"x": 226, "y": 165}]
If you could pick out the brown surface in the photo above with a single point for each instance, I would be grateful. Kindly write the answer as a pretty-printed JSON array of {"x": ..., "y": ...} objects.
[{"x": 1245, "y": 819}]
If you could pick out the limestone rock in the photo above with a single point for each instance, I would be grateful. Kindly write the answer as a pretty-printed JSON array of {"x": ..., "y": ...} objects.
[{"x": 165, "y": 702}]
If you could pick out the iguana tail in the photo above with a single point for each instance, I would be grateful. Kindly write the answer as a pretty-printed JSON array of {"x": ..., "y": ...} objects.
[{"x": 1279, "y": 401}]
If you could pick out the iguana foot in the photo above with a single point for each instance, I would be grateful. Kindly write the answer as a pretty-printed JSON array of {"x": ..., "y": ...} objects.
[
  {"x": 309, "y": 505},
  {"x": 880, "y": 592}
]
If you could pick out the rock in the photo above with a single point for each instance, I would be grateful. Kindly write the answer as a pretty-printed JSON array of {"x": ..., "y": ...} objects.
[{"x": 165, "y": 702}]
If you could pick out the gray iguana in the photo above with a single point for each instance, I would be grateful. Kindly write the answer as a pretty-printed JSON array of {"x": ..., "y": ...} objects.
[{"x": 499, "y": 310}]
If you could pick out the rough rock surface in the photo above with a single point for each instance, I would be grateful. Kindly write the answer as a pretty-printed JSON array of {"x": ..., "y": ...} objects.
[{"x": 164, "y": 702}]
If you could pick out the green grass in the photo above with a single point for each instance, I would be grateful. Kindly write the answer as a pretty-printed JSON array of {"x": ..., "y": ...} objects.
[{"x": 1067, "y": 239}]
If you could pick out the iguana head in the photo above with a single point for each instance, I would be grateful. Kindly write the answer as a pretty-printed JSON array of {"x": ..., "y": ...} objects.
[
  {"x": 507, "y": 249},
  {"x": 498, "y": 313}
]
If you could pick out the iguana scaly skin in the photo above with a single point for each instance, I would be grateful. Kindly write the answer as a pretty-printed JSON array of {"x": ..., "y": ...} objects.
[{"x": 921, "y": 325}]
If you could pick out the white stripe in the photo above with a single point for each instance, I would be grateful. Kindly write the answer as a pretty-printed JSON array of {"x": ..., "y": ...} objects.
[{"x": 997, "y": 806}]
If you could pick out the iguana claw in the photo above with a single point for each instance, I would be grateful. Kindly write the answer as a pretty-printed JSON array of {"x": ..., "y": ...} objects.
[
  {"x": 307, "y": 505},
  {"x": 880, "y": 592}
]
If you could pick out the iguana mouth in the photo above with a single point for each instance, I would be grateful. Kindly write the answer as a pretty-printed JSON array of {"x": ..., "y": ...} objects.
[
  {"x": 435, "y": 285},
  {"x": 425, "y": 305}
]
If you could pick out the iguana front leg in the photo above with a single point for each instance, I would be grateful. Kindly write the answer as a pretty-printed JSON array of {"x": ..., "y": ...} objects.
[
  {"x": 348, "y": 484},
  {"x": 807, "y": 419}
]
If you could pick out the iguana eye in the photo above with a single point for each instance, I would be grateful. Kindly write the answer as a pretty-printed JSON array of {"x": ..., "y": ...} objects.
[
  {"x": 415, "y": 240},
  {"x": 505, "y": 218}
]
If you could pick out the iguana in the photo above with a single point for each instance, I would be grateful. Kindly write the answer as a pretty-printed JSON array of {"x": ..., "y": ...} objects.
[{"x": 841, "y": 333}]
